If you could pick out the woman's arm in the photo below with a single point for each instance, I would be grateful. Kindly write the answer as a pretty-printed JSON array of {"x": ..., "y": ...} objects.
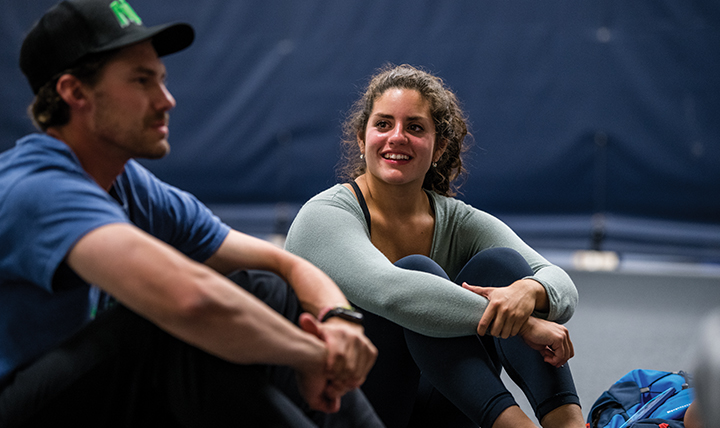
[
  {"x": 510, "y": 307},
  {"x": 329, "y": 231},
  {"x": 475, "y": 230},
  {"x": 549, "y": 338}
]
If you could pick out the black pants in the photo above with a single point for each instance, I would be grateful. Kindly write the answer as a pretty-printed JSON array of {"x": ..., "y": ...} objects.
[
  {"x": 123, "y": 371},
  {"x": 421, "y": 381}
]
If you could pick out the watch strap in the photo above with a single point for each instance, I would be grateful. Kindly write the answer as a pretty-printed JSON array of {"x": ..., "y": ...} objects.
[{"x": 344, "y": 312}]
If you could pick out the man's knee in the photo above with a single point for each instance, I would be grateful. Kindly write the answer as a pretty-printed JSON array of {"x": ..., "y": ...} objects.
[{"x": 271, "y": 289}]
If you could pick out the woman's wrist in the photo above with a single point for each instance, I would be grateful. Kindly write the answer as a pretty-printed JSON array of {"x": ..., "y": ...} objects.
[{"x": 542, "y": 304}]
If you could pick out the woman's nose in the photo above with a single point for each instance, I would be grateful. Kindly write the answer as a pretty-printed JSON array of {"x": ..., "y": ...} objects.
[{"x": 398, "y": 134}]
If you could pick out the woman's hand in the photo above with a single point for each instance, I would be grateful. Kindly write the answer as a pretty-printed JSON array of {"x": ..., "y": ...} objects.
[
  {"x": 509, "y": 307},
  {"x": 549, "y": 338}
]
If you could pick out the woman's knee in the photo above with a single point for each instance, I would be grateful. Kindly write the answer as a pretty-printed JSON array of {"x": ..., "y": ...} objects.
[
  {"x": 497, "y": 267},
  {"x": 422, "y": 264}
]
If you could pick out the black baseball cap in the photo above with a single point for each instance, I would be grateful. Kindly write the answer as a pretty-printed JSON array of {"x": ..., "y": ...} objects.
[{"x": 72, "y": 29}]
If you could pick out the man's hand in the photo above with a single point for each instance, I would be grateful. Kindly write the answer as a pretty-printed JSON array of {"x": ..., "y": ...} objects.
[
  {"x": 508, "y": 307},
  {"x": 350, "y": 356},
  {"x": 313, "y": 385},
  {"x": 551, "y": 339},
  {"x": 313, "y": 380}
]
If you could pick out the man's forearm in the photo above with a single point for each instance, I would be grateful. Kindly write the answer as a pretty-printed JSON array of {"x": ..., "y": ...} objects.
[
  {"x": 190, "y": 300},
  {"x": 234, "y": 325},
  {"x": 314, "y": 289}
]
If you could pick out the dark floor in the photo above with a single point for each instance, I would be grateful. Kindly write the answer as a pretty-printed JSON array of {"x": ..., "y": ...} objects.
[{"x": 635, "y": 319}]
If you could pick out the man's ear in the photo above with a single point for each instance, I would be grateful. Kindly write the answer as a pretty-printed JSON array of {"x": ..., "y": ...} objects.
[{"x": 71, "y": 90}]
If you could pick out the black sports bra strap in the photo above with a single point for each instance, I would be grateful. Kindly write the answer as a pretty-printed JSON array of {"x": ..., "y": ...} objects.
[{"x": 361, "y": 200}]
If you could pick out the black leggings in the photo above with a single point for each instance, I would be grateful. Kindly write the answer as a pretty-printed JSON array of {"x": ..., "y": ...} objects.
[
  {"x": 123, "y": 371},
  {"x": 421, "y": 381}
]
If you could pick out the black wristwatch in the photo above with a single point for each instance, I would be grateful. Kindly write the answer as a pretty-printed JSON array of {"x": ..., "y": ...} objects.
[{"x": 347, "y": 314}]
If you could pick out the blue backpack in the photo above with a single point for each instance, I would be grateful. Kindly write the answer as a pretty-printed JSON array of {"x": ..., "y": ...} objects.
[{"x": 643, "y": 398}]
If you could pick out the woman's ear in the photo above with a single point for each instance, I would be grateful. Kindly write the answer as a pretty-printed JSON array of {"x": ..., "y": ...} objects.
[
  {"x": 440, "y": 148},
  {"x": 361, "y": 143}
]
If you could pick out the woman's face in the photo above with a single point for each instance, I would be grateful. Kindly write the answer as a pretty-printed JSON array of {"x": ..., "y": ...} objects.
[{"x": 399, "y": 141}]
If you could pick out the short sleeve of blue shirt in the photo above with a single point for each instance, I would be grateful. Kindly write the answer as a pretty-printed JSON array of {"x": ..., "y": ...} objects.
[
  {"x": 46, "y": 208},
  {"x": 168, "y": 213},
  {"x": 48, "y": 203},
  {"x": 51, "y": 203}
]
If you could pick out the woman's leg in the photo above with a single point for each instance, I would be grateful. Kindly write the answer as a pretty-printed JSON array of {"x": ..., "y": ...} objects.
[
  {"x": 546, "y": 387},
  {"x": 467, "y": 379},
  {"x": 392, "y": 386},
  {"x": 392, "y": 383},
  {"x": 463, "y": 371},
  {"x": 432, "y": 409}
]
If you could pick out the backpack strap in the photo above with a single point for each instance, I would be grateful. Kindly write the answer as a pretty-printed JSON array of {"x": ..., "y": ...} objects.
[{"x": 363, "y": 204}]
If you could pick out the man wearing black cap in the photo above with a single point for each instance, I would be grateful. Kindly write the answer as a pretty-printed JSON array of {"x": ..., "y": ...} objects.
[{"x": 185, "y": 345}]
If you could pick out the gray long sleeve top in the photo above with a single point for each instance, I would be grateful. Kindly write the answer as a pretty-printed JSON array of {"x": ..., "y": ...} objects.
[{"x": 330, "y": 231}]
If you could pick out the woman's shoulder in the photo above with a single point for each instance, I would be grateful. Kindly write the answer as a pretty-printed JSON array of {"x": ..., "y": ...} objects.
[
  {"x": 334, "y": 206},
  {"x": 451, "y": 204},
  {"x": 337, "y": 196},
  {"x": 338, "y": 192},
  {"x": 457, "y": 210}
]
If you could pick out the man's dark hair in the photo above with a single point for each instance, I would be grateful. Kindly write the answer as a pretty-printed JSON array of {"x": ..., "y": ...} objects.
[{"x": 48, "y": 109}]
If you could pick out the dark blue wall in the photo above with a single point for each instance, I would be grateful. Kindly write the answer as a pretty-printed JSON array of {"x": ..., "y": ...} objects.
[{"x": 577, "y": 108}]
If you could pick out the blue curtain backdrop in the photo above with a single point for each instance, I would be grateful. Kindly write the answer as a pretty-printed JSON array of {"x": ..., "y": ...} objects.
[{"x": 587, "y": 112}]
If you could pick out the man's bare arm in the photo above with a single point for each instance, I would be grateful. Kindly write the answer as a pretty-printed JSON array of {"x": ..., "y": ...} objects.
[
  {"x": 190, "y": 300},
  {"x": 314, "y": 289},
  {"x": 351, "y": 355}
]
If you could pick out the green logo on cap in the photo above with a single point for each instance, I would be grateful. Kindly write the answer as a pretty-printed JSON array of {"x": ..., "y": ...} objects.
[{"x": 124, "y": 13}]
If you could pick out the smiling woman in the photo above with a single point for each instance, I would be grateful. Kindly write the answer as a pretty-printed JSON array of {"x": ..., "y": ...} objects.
[
  {"x": 444, "y": 108},
  {"x": 399, "y": 144},
  {"x": 406, "y": 253}
]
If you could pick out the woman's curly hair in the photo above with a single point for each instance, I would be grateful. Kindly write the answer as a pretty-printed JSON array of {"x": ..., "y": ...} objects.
[{"x": 449, "y": 119}]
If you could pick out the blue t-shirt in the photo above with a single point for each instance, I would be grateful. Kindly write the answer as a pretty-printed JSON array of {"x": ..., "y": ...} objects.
[{"x": 47, "y": 203}]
